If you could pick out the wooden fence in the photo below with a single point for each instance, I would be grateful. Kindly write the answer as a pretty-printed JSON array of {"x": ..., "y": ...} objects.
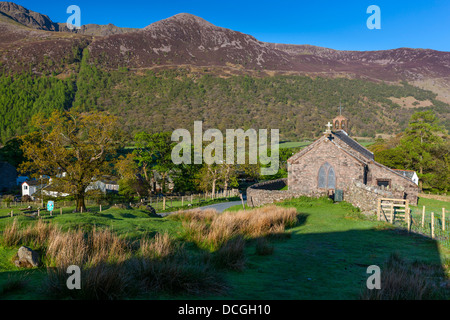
[
  {"x": 418, "y": 220},
  {"x": 392, "y": 209}
]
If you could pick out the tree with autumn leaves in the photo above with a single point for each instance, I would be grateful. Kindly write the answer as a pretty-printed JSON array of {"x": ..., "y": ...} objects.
[{"x": 81, "y": 145}]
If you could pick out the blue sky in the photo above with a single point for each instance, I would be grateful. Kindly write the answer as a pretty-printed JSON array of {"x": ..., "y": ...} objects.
[{"x": 333, "y": 24}]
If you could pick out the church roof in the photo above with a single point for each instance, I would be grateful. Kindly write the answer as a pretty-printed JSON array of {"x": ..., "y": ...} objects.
[{"x": 343, "y": 136}]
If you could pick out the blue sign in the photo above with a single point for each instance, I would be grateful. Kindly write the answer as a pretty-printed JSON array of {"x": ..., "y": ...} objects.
[{"x": 50, "y": 206}]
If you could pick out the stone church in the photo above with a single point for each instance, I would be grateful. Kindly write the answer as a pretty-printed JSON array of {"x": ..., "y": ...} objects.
[{"x": 337, "y": 162}]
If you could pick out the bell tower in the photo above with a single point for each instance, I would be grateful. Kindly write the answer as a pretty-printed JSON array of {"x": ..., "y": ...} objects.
[{"x": 340, "y": 122}]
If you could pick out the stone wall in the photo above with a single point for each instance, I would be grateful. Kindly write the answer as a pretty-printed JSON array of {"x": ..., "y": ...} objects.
[
  {"x": 365, "y": 197},
  {"x": 269, "y": 192}
]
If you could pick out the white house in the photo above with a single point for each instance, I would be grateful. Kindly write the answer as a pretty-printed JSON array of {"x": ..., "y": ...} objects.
[
  {"x": 106, "y": 184},
  {"x": 52, "y": 191},
  {"x": 29, "y": 188},
  {"x": 409, "y": 174}
]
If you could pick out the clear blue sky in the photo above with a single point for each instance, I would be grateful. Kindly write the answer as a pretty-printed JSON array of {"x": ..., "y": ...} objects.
[{"x": 333, "y": 24}]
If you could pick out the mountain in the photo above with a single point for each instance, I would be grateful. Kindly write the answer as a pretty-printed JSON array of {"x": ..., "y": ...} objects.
[
  {"x": 185, "y": 39},
  {"x": 184, "y": 68},
  {"x": 27, "y": 17},
  {"x": 40, "y": 21}
]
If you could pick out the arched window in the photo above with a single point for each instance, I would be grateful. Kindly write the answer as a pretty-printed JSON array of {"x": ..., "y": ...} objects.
[
  {"x": 336, "y": 125},
  {"x": 327, "y": 177},
  {"x": 343, "y": 124}
]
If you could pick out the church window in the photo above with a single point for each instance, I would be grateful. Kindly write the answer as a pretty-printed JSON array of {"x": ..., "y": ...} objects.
[{"x": 327, "y": 177}]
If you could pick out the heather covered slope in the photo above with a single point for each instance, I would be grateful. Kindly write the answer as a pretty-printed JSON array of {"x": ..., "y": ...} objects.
[{"x": 183, "y": 68}]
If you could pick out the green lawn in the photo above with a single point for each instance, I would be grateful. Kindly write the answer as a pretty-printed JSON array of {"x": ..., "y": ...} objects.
[{"x": 326, "y": 256}]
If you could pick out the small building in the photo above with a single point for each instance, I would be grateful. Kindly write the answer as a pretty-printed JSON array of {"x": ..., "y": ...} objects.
[
  {"x": 31, "y": 187},
  {"x": 106, "y": 184},
  {"x": 53, "y": 191}
]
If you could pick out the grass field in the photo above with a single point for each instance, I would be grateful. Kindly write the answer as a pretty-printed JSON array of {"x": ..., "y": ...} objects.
[{"x": 325, "y": 257}]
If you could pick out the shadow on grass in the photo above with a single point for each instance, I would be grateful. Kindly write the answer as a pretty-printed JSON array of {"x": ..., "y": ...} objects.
[
  {"x": 309, "y": 265},
  {"x": 333, "y": 265}
]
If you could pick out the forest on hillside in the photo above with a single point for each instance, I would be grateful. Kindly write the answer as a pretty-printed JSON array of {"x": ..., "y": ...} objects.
[{"x": 156, "y": 101}]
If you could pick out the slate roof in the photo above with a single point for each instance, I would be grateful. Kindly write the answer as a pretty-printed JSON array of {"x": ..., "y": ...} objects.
[
  {"x": 33, "y": 182},
  {"x": 407, "y": 173},
  {"x": 343, "y": 136}
]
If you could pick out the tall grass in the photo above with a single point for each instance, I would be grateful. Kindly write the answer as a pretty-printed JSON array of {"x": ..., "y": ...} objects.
[
  {"x": 211, "y": 230},
  {"x": 112, "y": 267},
  {"x": 403, "y": 280}
]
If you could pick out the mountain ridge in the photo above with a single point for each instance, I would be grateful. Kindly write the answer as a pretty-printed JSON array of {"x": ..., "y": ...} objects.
[{"x": 184, "y": 68}]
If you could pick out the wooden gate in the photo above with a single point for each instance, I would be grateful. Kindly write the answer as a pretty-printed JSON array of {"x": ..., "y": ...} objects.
[{"x": 393, "y": 209}]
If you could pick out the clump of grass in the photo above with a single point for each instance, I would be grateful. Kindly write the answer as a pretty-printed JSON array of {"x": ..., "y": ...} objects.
[
  {"x": 403, "y": 280},
  {"x": 231, "y": 255},
  {"x": 178, "y": 274},
  {"x": 13, "y": 284},
  {"x": 206, "y": 215},
  {"x": 160, "y": 247},
  {"x": 260, "y": 222},
  {"x": 263, "y": 247},
  {"x": 80, "y": 248},
  {"x": 102, "y": 281},
  {"x": 36, "y": 235}
]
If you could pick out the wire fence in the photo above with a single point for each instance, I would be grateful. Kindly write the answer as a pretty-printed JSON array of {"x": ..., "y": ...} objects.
[
  {"x": 160, "y": 203},
  {"x": 428, "y": 222}
]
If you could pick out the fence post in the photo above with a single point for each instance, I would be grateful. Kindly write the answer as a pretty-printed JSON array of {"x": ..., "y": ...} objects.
[
  {"x": 60, "y": 211},
  {"x": 379, "y": 209},
  {"x": 409, "y": 220},
  {"x": 182, "y": 200},
  {"x": 39, "y": 212},
  {"x": 423, "y": 216},
  {"x": 100, "y": 208},
  {"x": 432, "y": 225},
  {"x": 164, "y": 203},
  {"x": 443, "y": 219},
  {"x": 12, "y": 213},
  {"x": 392, "y": 212}
]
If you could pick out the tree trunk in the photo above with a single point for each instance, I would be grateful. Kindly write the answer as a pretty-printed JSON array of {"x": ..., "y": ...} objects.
[
  {"x": 213, "y": 191},
  {"x": 80, "y": 202}
]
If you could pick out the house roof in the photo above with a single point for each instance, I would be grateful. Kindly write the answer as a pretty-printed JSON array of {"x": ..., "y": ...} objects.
[
  {"x": 108, "y": 180},
  {"x": 33, "y": 183}
]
